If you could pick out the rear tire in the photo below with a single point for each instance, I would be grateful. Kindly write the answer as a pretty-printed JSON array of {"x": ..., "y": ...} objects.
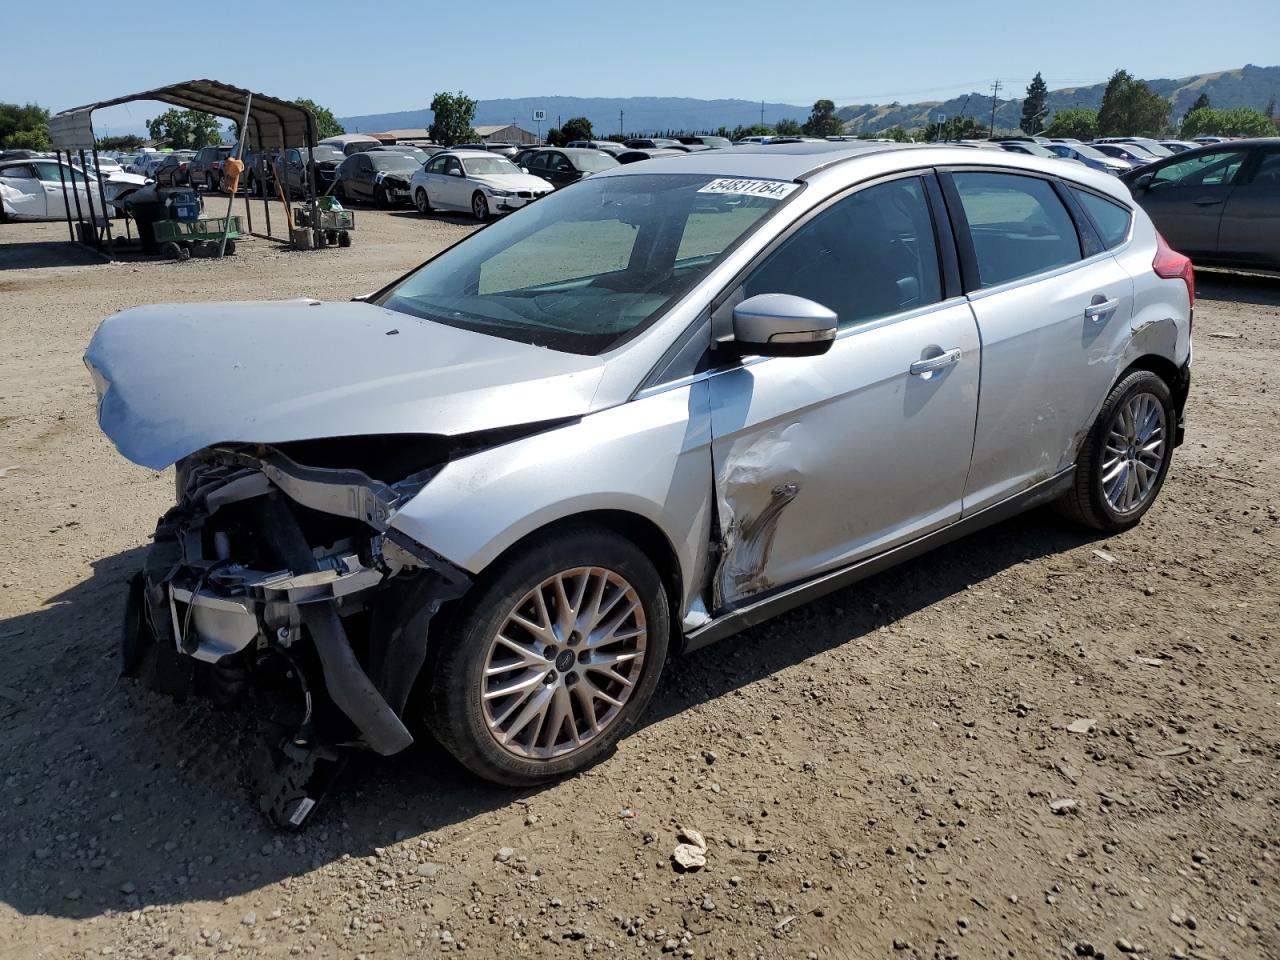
[
  {"x": 461, "y": 716},
  {"x": 1124, "y": 459}
]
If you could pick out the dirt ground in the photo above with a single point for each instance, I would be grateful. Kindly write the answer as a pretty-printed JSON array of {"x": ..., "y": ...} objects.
[{"x": 875, "y": 774}]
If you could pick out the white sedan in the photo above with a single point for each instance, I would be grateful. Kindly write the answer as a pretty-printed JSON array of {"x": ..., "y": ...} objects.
[
  {"x": 474, "y": 180},
  {"x": 34, "y": 190}
]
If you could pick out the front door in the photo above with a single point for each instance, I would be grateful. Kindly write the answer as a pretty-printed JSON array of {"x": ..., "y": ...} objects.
[
  {"x": 24, "y": 193},
  {"x": 1050, "y": 324},
  {"x": 1185, "y": 199},
  {"x": 820, "y": 461},
  {"x": 1250, "y": 231}
]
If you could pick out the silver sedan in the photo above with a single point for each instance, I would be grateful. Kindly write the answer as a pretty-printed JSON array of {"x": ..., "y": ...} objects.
[{"x": 646, "y": 412}]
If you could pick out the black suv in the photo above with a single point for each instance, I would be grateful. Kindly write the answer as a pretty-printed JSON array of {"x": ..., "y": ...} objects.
[{"x": 205, "y": 168}]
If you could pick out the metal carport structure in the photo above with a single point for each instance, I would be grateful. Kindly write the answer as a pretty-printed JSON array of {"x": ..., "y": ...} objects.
[{"x": 273, "y": 124}]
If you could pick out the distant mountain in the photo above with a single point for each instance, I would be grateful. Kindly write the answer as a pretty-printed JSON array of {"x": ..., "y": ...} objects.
[
  {"x": 638, "y": 114},
  {"x": 1248, "y": 86}
]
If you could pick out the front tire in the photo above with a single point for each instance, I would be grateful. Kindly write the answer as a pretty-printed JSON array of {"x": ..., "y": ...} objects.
[
  {"x": 479, "y": 207},
  {"x": 1125, "y": 457},
  {"x": 422, "y": 201},
  {"x": 551, "y": 659}
]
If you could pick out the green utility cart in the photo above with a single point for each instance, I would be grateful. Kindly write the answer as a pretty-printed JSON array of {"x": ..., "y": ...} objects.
[{"x": 179, "y": 239}]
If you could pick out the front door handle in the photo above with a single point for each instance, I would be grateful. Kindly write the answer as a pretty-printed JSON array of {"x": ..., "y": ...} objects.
[
  {"x": 1100, "y": 308},
  {"x": 1208, "y": 202},
  {"x": 932, "y": 364}
]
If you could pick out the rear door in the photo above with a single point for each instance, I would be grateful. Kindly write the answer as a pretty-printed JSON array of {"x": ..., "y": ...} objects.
[
  {"x": 24, "y": 194},
  {"x": 1185, "y": 198},
  {"x": 1250, "y": 229},
  {"x": 823, "y": 460},
  {"x": 1051, "y": 305}
]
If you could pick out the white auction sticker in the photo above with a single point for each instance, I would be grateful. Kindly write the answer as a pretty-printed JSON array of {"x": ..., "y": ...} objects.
[{"x": 750, "y": 188}]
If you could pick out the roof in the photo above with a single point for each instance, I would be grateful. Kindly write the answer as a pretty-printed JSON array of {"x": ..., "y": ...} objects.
[
  {"x": 273, "y": 123},
  {"x": 802, "y": 161},
  {"x": 485, "y": 129}
]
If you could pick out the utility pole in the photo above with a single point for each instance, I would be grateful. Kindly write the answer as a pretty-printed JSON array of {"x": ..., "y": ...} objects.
[
  {"x": 995, "y": 92},
  {"x": 762, "y": 113},
  {"x": 620, "y": 130}
]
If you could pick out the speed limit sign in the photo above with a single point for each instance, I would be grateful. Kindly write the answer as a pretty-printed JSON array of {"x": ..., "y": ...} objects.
[{"x": 539, "y": 116}]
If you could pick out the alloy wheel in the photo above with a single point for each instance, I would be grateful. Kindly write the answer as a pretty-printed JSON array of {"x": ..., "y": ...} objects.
[
  {"x": 564, "y": 663},
  {"x": 1136, "y": 444},
  {"x": 421, "y": 201},
  {"x": 479, "y": 208}
]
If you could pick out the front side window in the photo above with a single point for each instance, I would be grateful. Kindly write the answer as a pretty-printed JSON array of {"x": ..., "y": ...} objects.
[
  {"x": 1111, "y": 218},
  {"x": 48, "y": 171},
  {"x": 1017, "y": 224},
  {"x": 583, "y": 269},
  {"x": 1216, "y": 169},
  {"x": 869, "y": 255},
  {"x": 1268, "y": 173}
]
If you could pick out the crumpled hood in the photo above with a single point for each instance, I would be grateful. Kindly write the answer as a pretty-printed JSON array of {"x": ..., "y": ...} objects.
[{"x": 175, "y": 378}]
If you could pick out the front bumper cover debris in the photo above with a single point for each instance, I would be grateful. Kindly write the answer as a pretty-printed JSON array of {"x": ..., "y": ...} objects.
[{"x": 265, "y": 559}]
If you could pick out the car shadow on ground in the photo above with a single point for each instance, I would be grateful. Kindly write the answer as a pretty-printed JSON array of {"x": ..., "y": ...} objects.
[
  {"x": 116, "y": 798},
  {"x": 58, "y": 252},
  {"x": 1229, "y": 286}
]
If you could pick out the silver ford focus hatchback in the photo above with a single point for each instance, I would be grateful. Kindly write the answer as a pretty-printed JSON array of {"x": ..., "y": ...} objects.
[{"x": 637, "y": 416}]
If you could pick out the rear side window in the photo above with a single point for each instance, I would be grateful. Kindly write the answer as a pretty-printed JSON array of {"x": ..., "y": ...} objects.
[
  {"x": 869, "y": 255},
  {"x": 1018, "y": 225},
  {"x": 1111, "y": 218}
]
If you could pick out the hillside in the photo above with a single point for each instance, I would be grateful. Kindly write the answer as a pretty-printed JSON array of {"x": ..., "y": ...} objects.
[
  {"x": 1247, "y": 86},
  {"x": 639, "y": 114}
]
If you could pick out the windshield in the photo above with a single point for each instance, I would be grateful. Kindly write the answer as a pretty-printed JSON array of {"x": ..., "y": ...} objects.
[
  {"x": 584, "y": 268},
  {"x": 1087, "y": 151},
  {"x": 393, "y": 162},
  {"x": 323, "y": 154},
  {"x": 488, "y": 166},
  {"x": 594, "y": 162},
  {"x": 1153, "y": 148}
]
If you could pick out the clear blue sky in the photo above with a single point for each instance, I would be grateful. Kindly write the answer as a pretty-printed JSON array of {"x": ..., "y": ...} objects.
[{"x": 392, "y": 55}]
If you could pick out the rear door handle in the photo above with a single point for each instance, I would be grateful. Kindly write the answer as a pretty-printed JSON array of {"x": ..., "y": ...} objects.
[
  {"x": 1207, "y": 202},
  {"x": 1096, "y": 311},
  {"x": 945, "y": 359}
]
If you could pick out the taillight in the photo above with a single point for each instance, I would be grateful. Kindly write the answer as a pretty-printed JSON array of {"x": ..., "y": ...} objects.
[{"x": 1171, "y": 265}]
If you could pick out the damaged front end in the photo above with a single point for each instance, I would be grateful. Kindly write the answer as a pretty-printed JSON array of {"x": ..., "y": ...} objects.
[{"x": 283, "y": 584}]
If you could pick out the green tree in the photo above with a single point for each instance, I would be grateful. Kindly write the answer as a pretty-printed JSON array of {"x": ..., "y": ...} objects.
[
  {"x": 1075, "y": 122},
  {"x": 955, "y": 128},
  {"x": 823, "y": 121},
  {"x": 786, "y": 128},
  {"x": 754, "y": 130},
  {"x": 185, "y": 129},
  {"x": 452, "y": 116},
  {"x": 24, "y": 127},
  {"x": 327, "y": 124},
  {"x": 553, "y": 137},
  {"x": 576, "y": 128},
  {"x": 1237, "y": 121},
  {"x": 128, "y": 141},
  {"x": 1035, "y": 106},
  {"x": 1202, "y": 103},
  {"x": 1129, "y": 108},
  {"x": 897, "y": 134}
]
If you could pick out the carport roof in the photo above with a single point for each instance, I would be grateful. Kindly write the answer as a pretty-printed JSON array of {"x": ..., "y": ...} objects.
[{"x": 273, "y": 123}]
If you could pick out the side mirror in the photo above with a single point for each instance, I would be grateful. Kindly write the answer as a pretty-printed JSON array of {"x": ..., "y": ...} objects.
[
  {"x": 782, "y": 325},
  {"x": 1144, "y": 182},
  {"x": 455, "y": 173},
  {"x": 524, "y": 169}
]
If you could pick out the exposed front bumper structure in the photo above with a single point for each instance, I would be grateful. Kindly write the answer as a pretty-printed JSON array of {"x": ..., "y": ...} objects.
[{"x": 264, "y": 560}]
